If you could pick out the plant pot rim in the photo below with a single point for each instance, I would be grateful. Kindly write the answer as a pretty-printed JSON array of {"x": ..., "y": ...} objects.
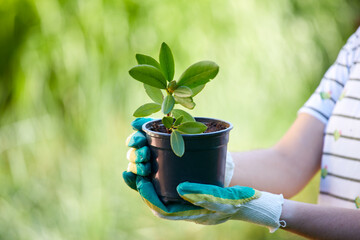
[{"x": 161, "y": 134}]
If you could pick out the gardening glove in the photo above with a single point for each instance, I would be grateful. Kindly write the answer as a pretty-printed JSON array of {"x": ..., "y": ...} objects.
[
  {"x": 235, "y": 203},
  {"x": 213, "y": 205},
  {"x": 136, "y": 178},
  {"x": 210, "y": 204},
  {"x": 139, "y": 156}
]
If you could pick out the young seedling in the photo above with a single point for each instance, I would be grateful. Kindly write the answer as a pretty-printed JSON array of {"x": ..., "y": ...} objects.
[{"x": 158, "y": 77}]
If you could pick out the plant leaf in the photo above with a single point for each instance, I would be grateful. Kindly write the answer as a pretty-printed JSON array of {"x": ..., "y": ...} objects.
[
  {"x": 148, "y": 74},
  {"x": 177, "y": 113},
  {"x": 178, "y": 121},
  {"x": 172, "y": 86},
  {"x": 168, "y": 104},
  {"x": 167, "y": 64},
  {"x": 144, "y": 59},
  {"x": 168, "y": 122},
  {"x": 177, "y": 143},
  {"x": 183, "y": 91},
  {"x": 154, "y": 93},
  {"x": 186, "y": 102},
  {"x": 198, "y": 74},
  {"x": 147, "y": 109},
  {"x": 197, "y": 89},
  {"x": 192, "y": 128}
]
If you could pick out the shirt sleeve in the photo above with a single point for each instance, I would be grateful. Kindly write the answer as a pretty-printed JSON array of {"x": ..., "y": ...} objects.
[{"x": 322, "y": 101}]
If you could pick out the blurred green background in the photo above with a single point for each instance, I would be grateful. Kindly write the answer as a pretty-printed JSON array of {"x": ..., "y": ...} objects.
[{"x": 66, "y": 100}]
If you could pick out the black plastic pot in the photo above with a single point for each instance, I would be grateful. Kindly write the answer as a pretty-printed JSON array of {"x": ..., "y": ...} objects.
[{"x": 203, "y": 162}]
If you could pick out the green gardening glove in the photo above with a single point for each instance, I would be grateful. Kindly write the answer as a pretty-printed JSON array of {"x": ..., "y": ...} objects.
[
  {"x": 213, "y": 205},
  {"x": 236, "y": 203},
  {"x": 138, "y": 154}
]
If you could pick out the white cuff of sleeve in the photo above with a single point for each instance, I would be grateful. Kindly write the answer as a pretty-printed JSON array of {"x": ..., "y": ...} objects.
[{"x": 313, "y": 113}]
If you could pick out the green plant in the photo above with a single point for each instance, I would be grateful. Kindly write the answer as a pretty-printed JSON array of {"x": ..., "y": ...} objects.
[{"x": 158, "y": 76}]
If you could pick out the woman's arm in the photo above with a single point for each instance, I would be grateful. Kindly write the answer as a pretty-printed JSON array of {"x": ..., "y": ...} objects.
[
  {"x": 288, "y": 166},
  {"x": 320, "y": 222}
]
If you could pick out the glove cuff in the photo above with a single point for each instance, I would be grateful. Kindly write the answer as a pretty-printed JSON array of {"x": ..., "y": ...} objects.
[
  {"x": 229, "y": 169},
  {"x": 265, "y": 210}
]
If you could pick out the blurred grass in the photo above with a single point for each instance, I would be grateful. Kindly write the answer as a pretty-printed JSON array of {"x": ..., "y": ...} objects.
[{"x": 66, "y": 101}]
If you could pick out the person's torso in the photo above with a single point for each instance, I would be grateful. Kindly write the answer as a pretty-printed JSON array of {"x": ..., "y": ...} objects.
[{"x": 340, "y": 167}]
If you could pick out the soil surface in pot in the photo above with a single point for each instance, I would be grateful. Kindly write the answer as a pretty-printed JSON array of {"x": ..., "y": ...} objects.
[{"x": 212, "y": 126}]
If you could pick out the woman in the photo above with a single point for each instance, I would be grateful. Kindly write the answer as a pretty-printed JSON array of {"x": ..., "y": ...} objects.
[{"x": 325, "y": 134}]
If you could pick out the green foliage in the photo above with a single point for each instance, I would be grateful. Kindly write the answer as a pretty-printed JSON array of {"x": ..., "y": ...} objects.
[
  {"x": 177, "y": 143},
  {"x": 154, "y": 77},
  {"x": 167, "y": 62},
  {"x": 168, "y": 122},
  {"x": 172, "y": 86},
  {"x": 147, "y": 109},
  {"x": 154, "y": 93},
  {"x": 147, "y": 60},
  {"x": 198, "y": 74},
  {"x": 192, "y": 128},
  {"x": 183, "y": 91},
  {"x": 177, "y": 113},
  {"x": 197, "y": 90},
  {"x": 178, "y": 121},
  {"x": 168, "y": 104},
  {"x": 149, "y": 75},
  {"x": 185, "y": 101}
]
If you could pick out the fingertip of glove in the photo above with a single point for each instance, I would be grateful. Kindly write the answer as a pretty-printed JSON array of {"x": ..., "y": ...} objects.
[
  {"x": 182, "y": 188},
  {"x": 130, "y": 179},
  {"x": 137, "y": 140},
  {"x": 137, "y": 123},
  {"x": 127, "y": 141}
]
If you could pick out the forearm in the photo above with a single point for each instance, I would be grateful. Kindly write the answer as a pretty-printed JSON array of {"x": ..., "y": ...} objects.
[
  {"x": 260, "y": 169},
  {"x": 320, "y": 222},
  {"x": 289, "y": 165}
]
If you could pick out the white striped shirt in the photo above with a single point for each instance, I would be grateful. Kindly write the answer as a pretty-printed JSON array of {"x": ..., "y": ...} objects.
[{"x": 336, "y": 102}]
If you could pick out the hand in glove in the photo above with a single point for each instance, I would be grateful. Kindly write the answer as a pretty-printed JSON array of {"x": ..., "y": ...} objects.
[{"x": 209, "y": 204}]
